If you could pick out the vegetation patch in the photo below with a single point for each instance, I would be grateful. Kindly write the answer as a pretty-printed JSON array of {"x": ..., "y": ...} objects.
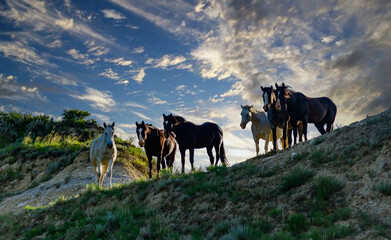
[
  {"x": 295, "y": 178},
  {"x": 384, "y": 187},
  {"x": 324, "y": 186}
]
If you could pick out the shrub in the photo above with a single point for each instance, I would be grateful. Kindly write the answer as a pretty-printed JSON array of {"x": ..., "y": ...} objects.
[
  {"x": 320, "y": 156},
  {"x": 342, "y": 213},
  {"x": 297, "y": 223},
  {"x": 295, "y": 178},
  {"x": 384, "y": 188},
  {"x": 324, "y": 186}
]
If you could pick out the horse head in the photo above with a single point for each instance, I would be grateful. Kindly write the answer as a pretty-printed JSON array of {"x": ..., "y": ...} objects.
[
  {"x": 246, "y": 115},
  {"x": 141, "y": 130},
  {"x": 282, "y": 94},
  {"x": 109, "y": 134},
  {"x": 168, "y": 124},
  {"x": 269, "y": 97}
]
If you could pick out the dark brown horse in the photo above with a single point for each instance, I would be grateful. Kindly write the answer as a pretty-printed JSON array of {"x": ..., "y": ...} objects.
[
  {"x": 277, "y": 117},
  {"x": 319, "y": 111},
  {"x": 157, "y": 145},
  {"x": 191, "y": 136}
]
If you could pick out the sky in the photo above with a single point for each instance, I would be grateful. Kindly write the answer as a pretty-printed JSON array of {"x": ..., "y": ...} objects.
[{"x": 128, "y": 61}]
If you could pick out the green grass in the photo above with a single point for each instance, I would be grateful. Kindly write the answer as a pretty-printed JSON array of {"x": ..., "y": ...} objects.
[
  {"x": 295, "y": 178},
  {"x": 333, "y": 232},
  {"x": 324, "y": 186},
  {"x": 297, "y": 223},
  {"x": 299, "y": 156},
  {"x": 384, "y": 188},
  {"x": 320, "y": 156}
]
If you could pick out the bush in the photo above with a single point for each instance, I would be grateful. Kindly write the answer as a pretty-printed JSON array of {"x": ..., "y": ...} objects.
[
  {"x": 295, "y": 178},
  {"x": 297, "y": 223},
  {"x": 324, "y": 186},
  {"x": 384, "y": 188}
]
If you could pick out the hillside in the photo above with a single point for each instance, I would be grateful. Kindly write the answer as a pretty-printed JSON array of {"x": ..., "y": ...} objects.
[
  {"x": 334, "y": 186},
  {"x": 46, "y": 159}
]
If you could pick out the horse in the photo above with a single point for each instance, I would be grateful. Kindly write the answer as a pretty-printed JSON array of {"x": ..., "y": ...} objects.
[
  {"x": 103, "y": 153},
  {"x": 156, "y": 144},
  {"x": 260, "y": 126},
  {"x": 276, "y": 117},
  {"x": 191, "y": 136},
  {"x": 319, "y": 111}
]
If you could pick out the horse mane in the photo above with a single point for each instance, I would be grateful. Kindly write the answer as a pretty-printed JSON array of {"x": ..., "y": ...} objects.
[
  {"x": 251, "y": 108},
  {"x": 179, "y": 119}
]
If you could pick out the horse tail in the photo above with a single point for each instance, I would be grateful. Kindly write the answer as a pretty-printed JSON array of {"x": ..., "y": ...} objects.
[
  {"x": 224, "y": 159},
  {"x": 332, "y": 114}
]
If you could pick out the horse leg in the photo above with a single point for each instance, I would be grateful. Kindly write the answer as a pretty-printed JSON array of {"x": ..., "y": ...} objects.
[
  {"x": 191, "y": 151},
  {"x": 183, "y": 152},
  {"x": 159, "y": 161},
  {"x": 210, "y": 154},
  {"x": 102, "y": 176},
  {"x": 99, "y": 168},
  {"x": 110, "y": 168},
  {"x": 256, "y": 141},
  {"x": 300, "y": 128},
  {"x": 294, "y": 128},
  {"x": 274, "y": 137},
  {"x": 149, "y": 156},
  {"x": 290, "y": 137},
  {"x": 217, "y": 148},
  {"x": 305, "y": 125},
  {"x": 284, "y": 132},
  {"x": 96, "y": 171},
  {"x": 320, "y": 128}
]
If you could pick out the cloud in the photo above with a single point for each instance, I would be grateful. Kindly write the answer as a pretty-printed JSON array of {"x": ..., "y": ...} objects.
[
  {"x": 55, "y": 44},
  {"x": 138, "y": 50},
  {"x": 307, "y": 46},
  {"x": 39, "y": 16},
  {"x": 110, "y": 13},
  {"x": 79, "y": 56},
  {"x": 109, "y": 73},
  {"x": 184, "y": 90},
  {"x": 102, "y": 100},
  {"x": 95, "y": 49},
  {"x": 139, "y": 77},
  {"x": 136, "y": 105},
  {"x": 19, "y": 51},
  {"x": 142, "y": 116},
  {"x": 120, "y": 61},
  {"x": 156, "y": 100},
  {"x": 101, "y": 117},
  {"x": 11, "y": 89}
]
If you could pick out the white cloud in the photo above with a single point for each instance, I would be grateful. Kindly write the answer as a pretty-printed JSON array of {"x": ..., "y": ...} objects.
[
  {"x": 136, "y": 105},
  {"x": 102, "y": 100},
  {"x": 109, "y": 73},
  {"x": 66, "y": 24},
  {"x": 95, "y": 49},
  {"x": 55, "y": 44},
  {"x": 120, "y": 61},
  {"x": 19, "y": 51},
  {"x": 156, "y": 100},
  {"x": 142, "y": 116},
  {"x": 79, "y": 56},
  {"x": 167, "y": 61},
  {"x": 139, "y": 77},
  {"x": 10, "y": 88},
  {"x": 110, "y": 13},
  {"x": 138, "y": 50},
  {"x": 101, "y": 117}
]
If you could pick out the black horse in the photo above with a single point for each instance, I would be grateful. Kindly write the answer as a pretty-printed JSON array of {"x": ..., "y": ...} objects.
[
  {"x": 277, "y": 117},
  {"x": 319, "y": 111},
  {"x": 191, "y": 136},
  {"x": 157, "y": 145}
]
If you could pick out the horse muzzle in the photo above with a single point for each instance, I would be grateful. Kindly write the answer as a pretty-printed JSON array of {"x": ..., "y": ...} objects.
[
  {"x": 266, "y": 108},
  {"x": 243, "y": 125},
  {"x": 110, "y": 146},
  {"x": 141, "y": 143},
  {"x": 167, "y": 134}
]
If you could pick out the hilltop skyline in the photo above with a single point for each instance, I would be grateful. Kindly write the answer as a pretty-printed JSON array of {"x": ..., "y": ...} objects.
[{"x": 128, "y": 61}]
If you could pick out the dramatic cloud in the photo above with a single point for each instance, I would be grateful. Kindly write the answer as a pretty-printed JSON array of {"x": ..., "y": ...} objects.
[
  {"x": 110, "y": 13},
  {"x": 11, "y": 89},
  {"x": 98, "y": 99}
]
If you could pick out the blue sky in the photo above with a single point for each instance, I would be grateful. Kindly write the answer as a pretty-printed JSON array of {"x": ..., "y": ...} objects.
[{"x": 128, "y": 61}]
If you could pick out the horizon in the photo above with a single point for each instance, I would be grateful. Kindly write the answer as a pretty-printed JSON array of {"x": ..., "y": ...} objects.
[{"x": 128, "y": 61}]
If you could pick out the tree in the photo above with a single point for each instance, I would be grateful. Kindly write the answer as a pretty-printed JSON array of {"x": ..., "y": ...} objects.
[{"x": 73, "y": 115}]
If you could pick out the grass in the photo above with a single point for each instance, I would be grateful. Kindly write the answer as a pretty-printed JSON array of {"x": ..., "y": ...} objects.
[
  {"x": 320, "y": 156},
  {"x": 297, "y": 223},
  {"x": 384, "y": 188},
  {"x": 324, "y": 186},
  {"x": 295, "y": 178}
]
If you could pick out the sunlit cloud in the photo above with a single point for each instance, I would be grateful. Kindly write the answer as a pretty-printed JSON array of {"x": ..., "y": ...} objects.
[
  {"x": 135, "y": 105},
  {"x": 139, "y": 77},
  {"x": 102, "y": 100},
  {"x": 142, "y": 116},
  {"x": 11, "y": 89},
  {"x": 110, "y": 13}
]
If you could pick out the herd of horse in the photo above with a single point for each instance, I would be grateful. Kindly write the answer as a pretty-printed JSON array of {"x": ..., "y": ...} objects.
[{"x": 285, "y": 112}]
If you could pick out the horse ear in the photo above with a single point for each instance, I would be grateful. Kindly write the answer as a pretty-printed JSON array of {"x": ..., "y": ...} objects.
[
  {"x": 271, "y": 86},
  {"x": 170, "y": 114},
  {"x": 241, "y": 106},
  {"x": 143, "y": 123},
  {"x": 164, "y": 115},
  {"x": 136, "y": 123},
  {"x": 113, "y": 124},
  {"x": 104, "y": 125},
  {"x": 276, "y": 85},
  {"x": 261, "y": 87},
  {"x": 283, "y": 85}
]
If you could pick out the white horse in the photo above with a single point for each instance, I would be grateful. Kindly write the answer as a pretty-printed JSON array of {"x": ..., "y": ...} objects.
[
  {"x": 103, "y": 153},
  {"x": 260, "y": 126}
]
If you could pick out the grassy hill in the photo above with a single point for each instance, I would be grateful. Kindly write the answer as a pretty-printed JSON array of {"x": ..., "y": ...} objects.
[{"x": 336, "y": 186}]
